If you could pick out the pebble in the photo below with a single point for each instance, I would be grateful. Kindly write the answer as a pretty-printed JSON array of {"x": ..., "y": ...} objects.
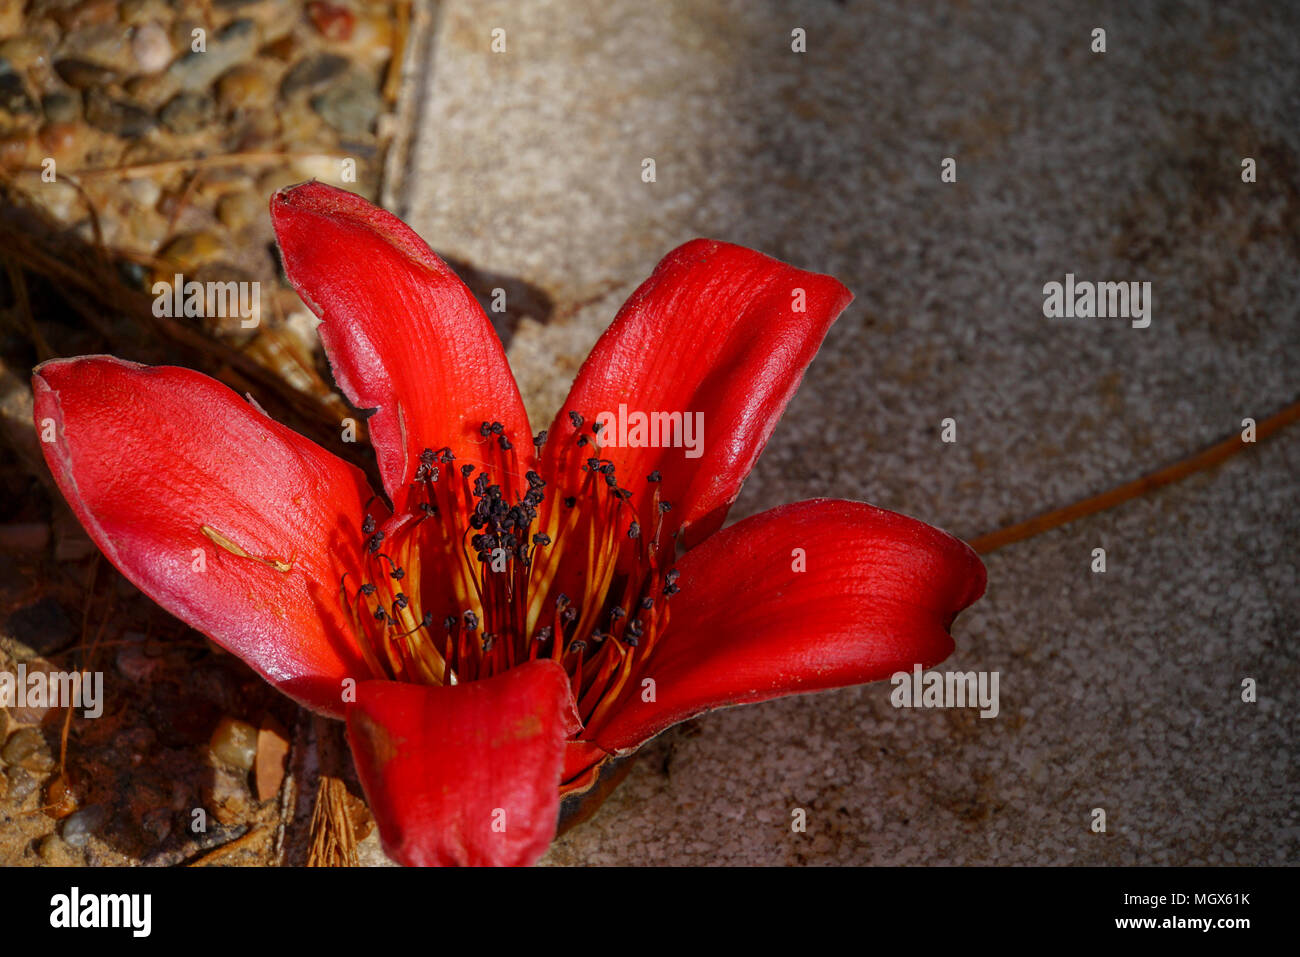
[
  {"x": 334, "y": 22},
  {"x": 351, "y": 105},
  {"x": 21, "y": 784},
  {"x": 236, "y": 43},
  {"x": 237, "y": 210},
  {"x": 78, "y": 827},
  {"x": 15, "y": 101},
  {"x": 26, "y": 748},
  {"x": 61, "y": 107},
  {"x": 23, "y": 52},
  {"x": 83, "y": 74},
  {"x": 313, "y": 73},
  {"x": 119, "y": 117},
  {"x": 229, "y": 797},
  {"x": 55, "y": 852},
  {"x": 188, "y": 113},
  {"x": 151, "y": 47},
  {"x": 234, "y": 743},
  {"x": 190, "y": 251},
  {"x": 63, "y": 142},
  {"x": 245, "y": 87}
]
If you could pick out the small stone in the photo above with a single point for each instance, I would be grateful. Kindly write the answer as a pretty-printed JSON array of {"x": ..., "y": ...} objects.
[
  {"x": 42, "y": 627},
  {"x": 351, "y": 105},
  {"x": 190, "y": 251},
  {"x": 61, "y": 107},
  {"x": 237, "y": 210},
  {"x": 234, "y": 743},
  {"x": 15, "y": 101},
  {"x": 119, "y": 117},
  {"x": 14, "y": 150},
  {"x": 22, "y": 53},
  {"x": 31, "y": 713},
  {"x": 152, "y": 89},
  {"x": 55, "y": 852},
  {"x": 313, "y": 73},
  {"x": 272, "y": 749},
  {"x": 236, "y": 43},
  {"x": 228, "y": 796},
  {"x": 77, "y": 829},
  {"x": 334, "y": 22},
  {"x": 245, "y": 87},
  {"x": 22, "y": 746},
  {"x": 83, "y": 74},
  {"x": 151, "y": 47},
  {"x": 21, "y": 784},
  {"x": 188, "y": 113}
]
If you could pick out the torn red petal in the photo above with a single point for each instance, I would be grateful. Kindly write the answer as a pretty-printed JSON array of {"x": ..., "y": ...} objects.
[{"x": 467, "y": 774}]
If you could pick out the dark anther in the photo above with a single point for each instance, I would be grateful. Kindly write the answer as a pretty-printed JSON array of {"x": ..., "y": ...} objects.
[
  {"x": 367, "y": 589},
  {"x": 578, "y": 645},
  {"x": 634, "y": 627},
  {"x": 631, "y": 640},
  {"x": 665, "y": 507},
  {"x": 611, "y": 479},
  {"x": 568, "y": 615},
  {"x": 504, "y": 443},
  {"x": 607, "y": 468},
  {"x": 576, "y": 419},
  {"x": 596, "y": 427},
  {"x": 634, "y": 530},
  {"x": 381, "y": 615},
  {"x": 534, "y": 480},
  {"x": 582, "y": 440},
  {"x": 449, "y": 622},
  {"x": 471, "y": 621},
  {"x": 647, "y": 603},
  {"x": 427, "y": 457},
  {"x": 467, "y": 470},
  {"x": 570, "y": 501},
  {"x": 654, "y": 476},
  {"x": 539, "y": 439},
  {"x": 543, "y": 634},
  {"x": 562, "y": 599},
  {"x": 497, "y": 428},
  {"x": 398, "y": 572},
  {"x": 375, "y": 541},
  {"x": 671, "y": 589},
  {"x": 593, "y": 464},
  {"x": 541, "y": 538},
  {"x": 622, "y": 493},
  {"x": 616, "y": 612},
  {"x": 368, "y": 526},
  {"x": 487, "y": 642},
  {"x": 400, "y": 602},
  {"x": 672, "y": 576},
  {"x": 485, "y": 429}
]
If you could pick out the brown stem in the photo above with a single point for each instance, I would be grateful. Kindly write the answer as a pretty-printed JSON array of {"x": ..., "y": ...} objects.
[{"x": 1180, "y": 470}]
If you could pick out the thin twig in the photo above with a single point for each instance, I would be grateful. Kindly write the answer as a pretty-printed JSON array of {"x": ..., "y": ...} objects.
[
  {"x": 1180, "y": 470},
  {"x": 226, "y": 850}
]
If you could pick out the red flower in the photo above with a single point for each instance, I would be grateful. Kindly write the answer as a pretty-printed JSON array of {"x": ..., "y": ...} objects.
[{"x": 528, "y": 607}]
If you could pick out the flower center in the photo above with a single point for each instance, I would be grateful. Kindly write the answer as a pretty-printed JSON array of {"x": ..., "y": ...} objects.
[{"x": 488, "y": 568}]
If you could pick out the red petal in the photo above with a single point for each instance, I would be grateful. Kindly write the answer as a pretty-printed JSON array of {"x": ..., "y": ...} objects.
[
  {"x": 468, "y": 774},
  {"x": 403, "y": 333},
  {"x": 147, "y": 457},
  {"x": 878, "y": 595},
  {"x": 714, "y": 331}
]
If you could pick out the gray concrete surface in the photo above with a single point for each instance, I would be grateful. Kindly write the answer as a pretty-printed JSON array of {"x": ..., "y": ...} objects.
[{"x": 1118, "y": 691}]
